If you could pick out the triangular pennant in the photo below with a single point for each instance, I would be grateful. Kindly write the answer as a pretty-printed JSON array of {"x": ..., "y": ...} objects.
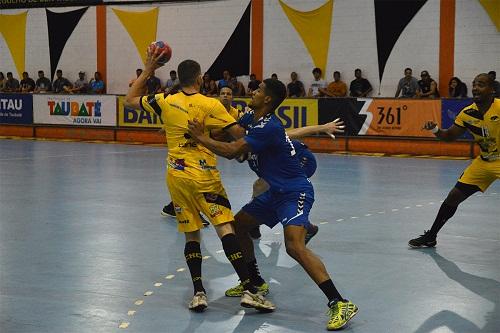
[
  {"x": 492, "y": 7},
  {"x": 61, "y": 26},
  {"x": 314, "y": 29},
  {"x": 235, "y": 56},
  {"x": 391, "y": 18},
  {"x": 141, "y": 26},
  {"x": 13, "y": 29}
]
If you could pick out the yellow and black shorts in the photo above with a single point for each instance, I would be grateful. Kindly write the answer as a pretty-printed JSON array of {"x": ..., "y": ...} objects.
[
  {"x": 191, "y": 197},
  {"x": 481, "y": 173}
]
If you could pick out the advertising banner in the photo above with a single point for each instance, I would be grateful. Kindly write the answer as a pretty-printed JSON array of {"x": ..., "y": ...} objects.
[
  {"x": 450, "y": 108},
  {"x": 78, "y": 110},
  {"x": 16, "y": 108},
  {"x": 128, "y": 117}
]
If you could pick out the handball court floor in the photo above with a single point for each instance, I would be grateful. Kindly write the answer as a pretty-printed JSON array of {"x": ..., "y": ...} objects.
[{"x": 82, "y": 241}]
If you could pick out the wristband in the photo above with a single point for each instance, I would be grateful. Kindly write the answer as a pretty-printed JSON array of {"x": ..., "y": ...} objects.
[{"x": 435, "y": 129}]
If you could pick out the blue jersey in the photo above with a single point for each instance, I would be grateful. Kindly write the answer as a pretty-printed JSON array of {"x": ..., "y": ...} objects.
[
  {"x": 273, "y": 156},
  {"x": 306, "y": 158}
]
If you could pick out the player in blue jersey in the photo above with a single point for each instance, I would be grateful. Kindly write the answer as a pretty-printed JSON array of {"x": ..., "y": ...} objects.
[{"x": 290, "y": 197}]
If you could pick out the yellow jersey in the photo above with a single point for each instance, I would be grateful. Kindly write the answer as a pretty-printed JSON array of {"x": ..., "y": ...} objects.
[
  {"x": 484, "y": 128},
  {"x": 235, "y": 113},
  {"x": 186, "y": 158}
]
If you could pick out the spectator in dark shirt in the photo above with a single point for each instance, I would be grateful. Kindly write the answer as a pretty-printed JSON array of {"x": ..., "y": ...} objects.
[
  {"x": 208, "y": 86},
  {"x": 408, "y": 85},
  {"x": 456, "y": 88},
  {"x": 61, "y": 85},
  {"x": 96, "y": 85},
  {"x": 496, "y": 84},
  {"x": 2, "y": 82},
  {"x": 27, "y": 83},
  {"x": 360, "y": 87},
  {"x": 295, "y": 88},
  {"x": 253, "y": 84},
  {"x": 81, "y": 85},
  {"x": 428, "y": 87},
  {"x": 42, "y": 83},
  {"x": 153, "y": 84},
  {"x": 12, "y": 84}
]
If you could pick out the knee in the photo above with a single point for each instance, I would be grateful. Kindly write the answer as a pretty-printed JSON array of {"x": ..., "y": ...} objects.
[
  {"x": 455, "y": 197},
  {"x": 294, "y": 250}
]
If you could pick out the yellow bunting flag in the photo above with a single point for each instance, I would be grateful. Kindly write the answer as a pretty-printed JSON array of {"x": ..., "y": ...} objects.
[
  {"x": 141, "y": 26},
  {"x": 13, "y": 29},
  {"x": 314, "y": 29},
  {"x": 492, "y": 7}
]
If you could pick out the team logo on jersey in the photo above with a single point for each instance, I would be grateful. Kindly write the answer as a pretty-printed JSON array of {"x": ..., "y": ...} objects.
[
  {"x": 177, "y": 164},
  {"x": 205, "y": 166},
  {"x": 494, "y": 118},
  {"x": 215, "y": 210}
]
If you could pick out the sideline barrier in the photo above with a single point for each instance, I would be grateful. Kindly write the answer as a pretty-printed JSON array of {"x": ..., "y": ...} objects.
[{"x": 16, "y": 109}]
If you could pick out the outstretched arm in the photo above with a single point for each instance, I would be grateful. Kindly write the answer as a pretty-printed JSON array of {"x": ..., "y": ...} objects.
[
  {"x": 450, "y": 134},
  {"x": 336, "y": 126}
]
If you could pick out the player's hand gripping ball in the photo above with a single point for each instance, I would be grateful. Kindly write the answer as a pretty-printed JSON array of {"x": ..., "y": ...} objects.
[{"x": 161, "y": 46}]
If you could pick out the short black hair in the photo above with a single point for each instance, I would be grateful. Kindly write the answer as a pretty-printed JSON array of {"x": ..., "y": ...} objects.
[
  {"x": 408, "y": 69},
  {"x": 493, "y": 73},
  {"x": 9, "y": 73},
  {"x": 59, "y": 71},
  {"x": 40, "y": 71},
  {"x": 25, "y": 73},
  {"x": 317, "y": 70},
  {"x": 357, "y": 70},
  {"x": 173, "y": 72},
  {"x": 277, "y": 90},
  {"x": 336, "y": 72},
  {"x": 188, "y": 70}
]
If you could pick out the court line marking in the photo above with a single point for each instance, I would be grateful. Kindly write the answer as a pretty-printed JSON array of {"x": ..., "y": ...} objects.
[{"x": 77, "y": 155}]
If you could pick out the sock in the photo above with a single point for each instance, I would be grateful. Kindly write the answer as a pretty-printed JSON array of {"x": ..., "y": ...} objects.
[
  {"x": 192, "y": 252},
  {"x": 445, "y": 213},
  {"x": 233, "y": 253},
  {"x": 328, "y": 288},
  {"x": 253, "y": 271}
]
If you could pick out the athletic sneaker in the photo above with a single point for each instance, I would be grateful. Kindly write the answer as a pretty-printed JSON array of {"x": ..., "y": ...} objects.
[
  {"x": 168, "y": 210},
  {"x": 427, "y": 240},
  {"x": 255, "y": 233},
  {"x": 256, "y": 301},
  {"x": 311, "y": 232},
  {"x": 340, "y": 313},
  {"x": 237, "y": 291},
  {"x": 199, "y": 302}
]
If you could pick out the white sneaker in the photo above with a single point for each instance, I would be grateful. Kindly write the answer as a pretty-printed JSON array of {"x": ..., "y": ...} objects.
[
  {"x": 256, "y": 301},
  {"x": 199, "y": 302}
]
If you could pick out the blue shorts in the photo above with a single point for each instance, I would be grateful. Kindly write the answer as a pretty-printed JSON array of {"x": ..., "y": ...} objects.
[{"x": 286, "y": 208}]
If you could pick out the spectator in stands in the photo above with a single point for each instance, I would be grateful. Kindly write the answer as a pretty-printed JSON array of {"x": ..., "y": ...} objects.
[
  {"x": 274, "y": 76},
  {"x": 225, "y": 81},
  {"x": 81, "y": 85},
  {"x": 153, "y": 84},
  {"x": 27, "y": 83},
  {"x": 61, "y": 85},
  {"x": 138, "y": 72},
  {"x": 226, "y": 98},
  {"x": 237, "y": 87},
  {"x": 42, "y": 83},
  {"x": 408, "y": 85},
  {"x": 171, "y": 82},
  {"x": 295, "y": 88},
  {"x": 96, "y": 85},
  {"x": 456, "y": 88},
  {"x": 12, "y": 84},
  {"x": 253, "y": 84},
  {"x": 360, "y": 87},
  {"x": 316, "y": 84},
  {"x": 496, "y": 84},
  {"x": 2, "y": 82},
  {"x": 337, "y": 88},
  {"x": 208, "y": 86},
  {"x": 428, "y": 87}
]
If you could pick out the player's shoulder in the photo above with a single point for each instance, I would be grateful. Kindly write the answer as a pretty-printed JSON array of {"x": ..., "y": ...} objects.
[{"x": 470, "y": 110}]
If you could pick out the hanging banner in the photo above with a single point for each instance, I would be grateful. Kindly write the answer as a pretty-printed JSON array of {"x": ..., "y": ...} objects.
[
  {"x": 16, "y": 109},
  {"x": 128, "y": 117},
  {"x": 6, "y": 4},
  {"x": 78, "y": 110}
]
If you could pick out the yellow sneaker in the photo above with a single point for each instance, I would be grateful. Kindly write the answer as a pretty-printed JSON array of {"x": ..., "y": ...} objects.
[
  {"x": 340, "y": 313},
  {"x": 237, "y": 291}
]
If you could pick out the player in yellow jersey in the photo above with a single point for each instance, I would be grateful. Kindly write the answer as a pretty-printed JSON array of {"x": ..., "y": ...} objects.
[
  {"x": 193, "y": 180},
  {"x": 482, "y": 120}
]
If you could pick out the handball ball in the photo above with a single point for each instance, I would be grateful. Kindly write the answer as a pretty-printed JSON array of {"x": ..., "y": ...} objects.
[{"x": 163, "y": 47}]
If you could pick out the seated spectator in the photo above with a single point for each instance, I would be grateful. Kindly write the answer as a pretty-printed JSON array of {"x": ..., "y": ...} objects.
[
  {"x": 12, "y": 84},
  {"x": 225, "y": 81},
  {"x": 316, "y": 84},
  {"x": 27, "y": 83},
  {"x": 360, "y": 87},
  {"x": 496, "y": 84},
  {"x": 208, "y": 87},
  {"x": 337, "y": 88},
  {"x": 2, "y": 82},
  {"x": 295, "y": 88},
  {"x": 61, "y": 85},
  {"x": 81, "y": 85},
  {"x": 96, "y": 85},
  {"x": 171, "y": 82},
  {"x": 253, "y": 84},
  {"x": 138, "y": 73},
  {"x": 456, "y": 88},
  {"x": 237, "y": 87},
  {"x": 153, "y": 84},
  {"x": 274, "y": 76},
  {"x": 408, "y": 86},
  {"x": 42, "y": 83},
  {"x": 428, "y": 87}
]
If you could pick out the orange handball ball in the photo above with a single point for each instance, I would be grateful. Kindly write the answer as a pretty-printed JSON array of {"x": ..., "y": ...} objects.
[{"x": 163, "y": 47}]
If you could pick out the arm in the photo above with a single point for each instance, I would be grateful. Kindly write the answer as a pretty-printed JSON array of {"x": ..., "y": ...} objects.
[
  {"x": 302, "y": 91},
  {"x": 397, "y": 91},
  {"x": 450, "y": 134},
  {"x": 368, "y": 90},
  {"x": 336, "y": 126}
]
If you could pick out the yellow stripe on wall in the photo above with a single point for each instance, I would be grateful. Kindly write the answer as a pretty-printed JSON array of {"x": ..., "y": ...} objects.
[{"x": 13, "y": 29}]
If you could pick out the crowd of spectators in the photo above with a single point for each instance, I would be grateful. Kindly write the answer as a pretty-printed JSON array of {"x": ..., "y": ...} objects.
[{"x": 408, "y": 86}]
